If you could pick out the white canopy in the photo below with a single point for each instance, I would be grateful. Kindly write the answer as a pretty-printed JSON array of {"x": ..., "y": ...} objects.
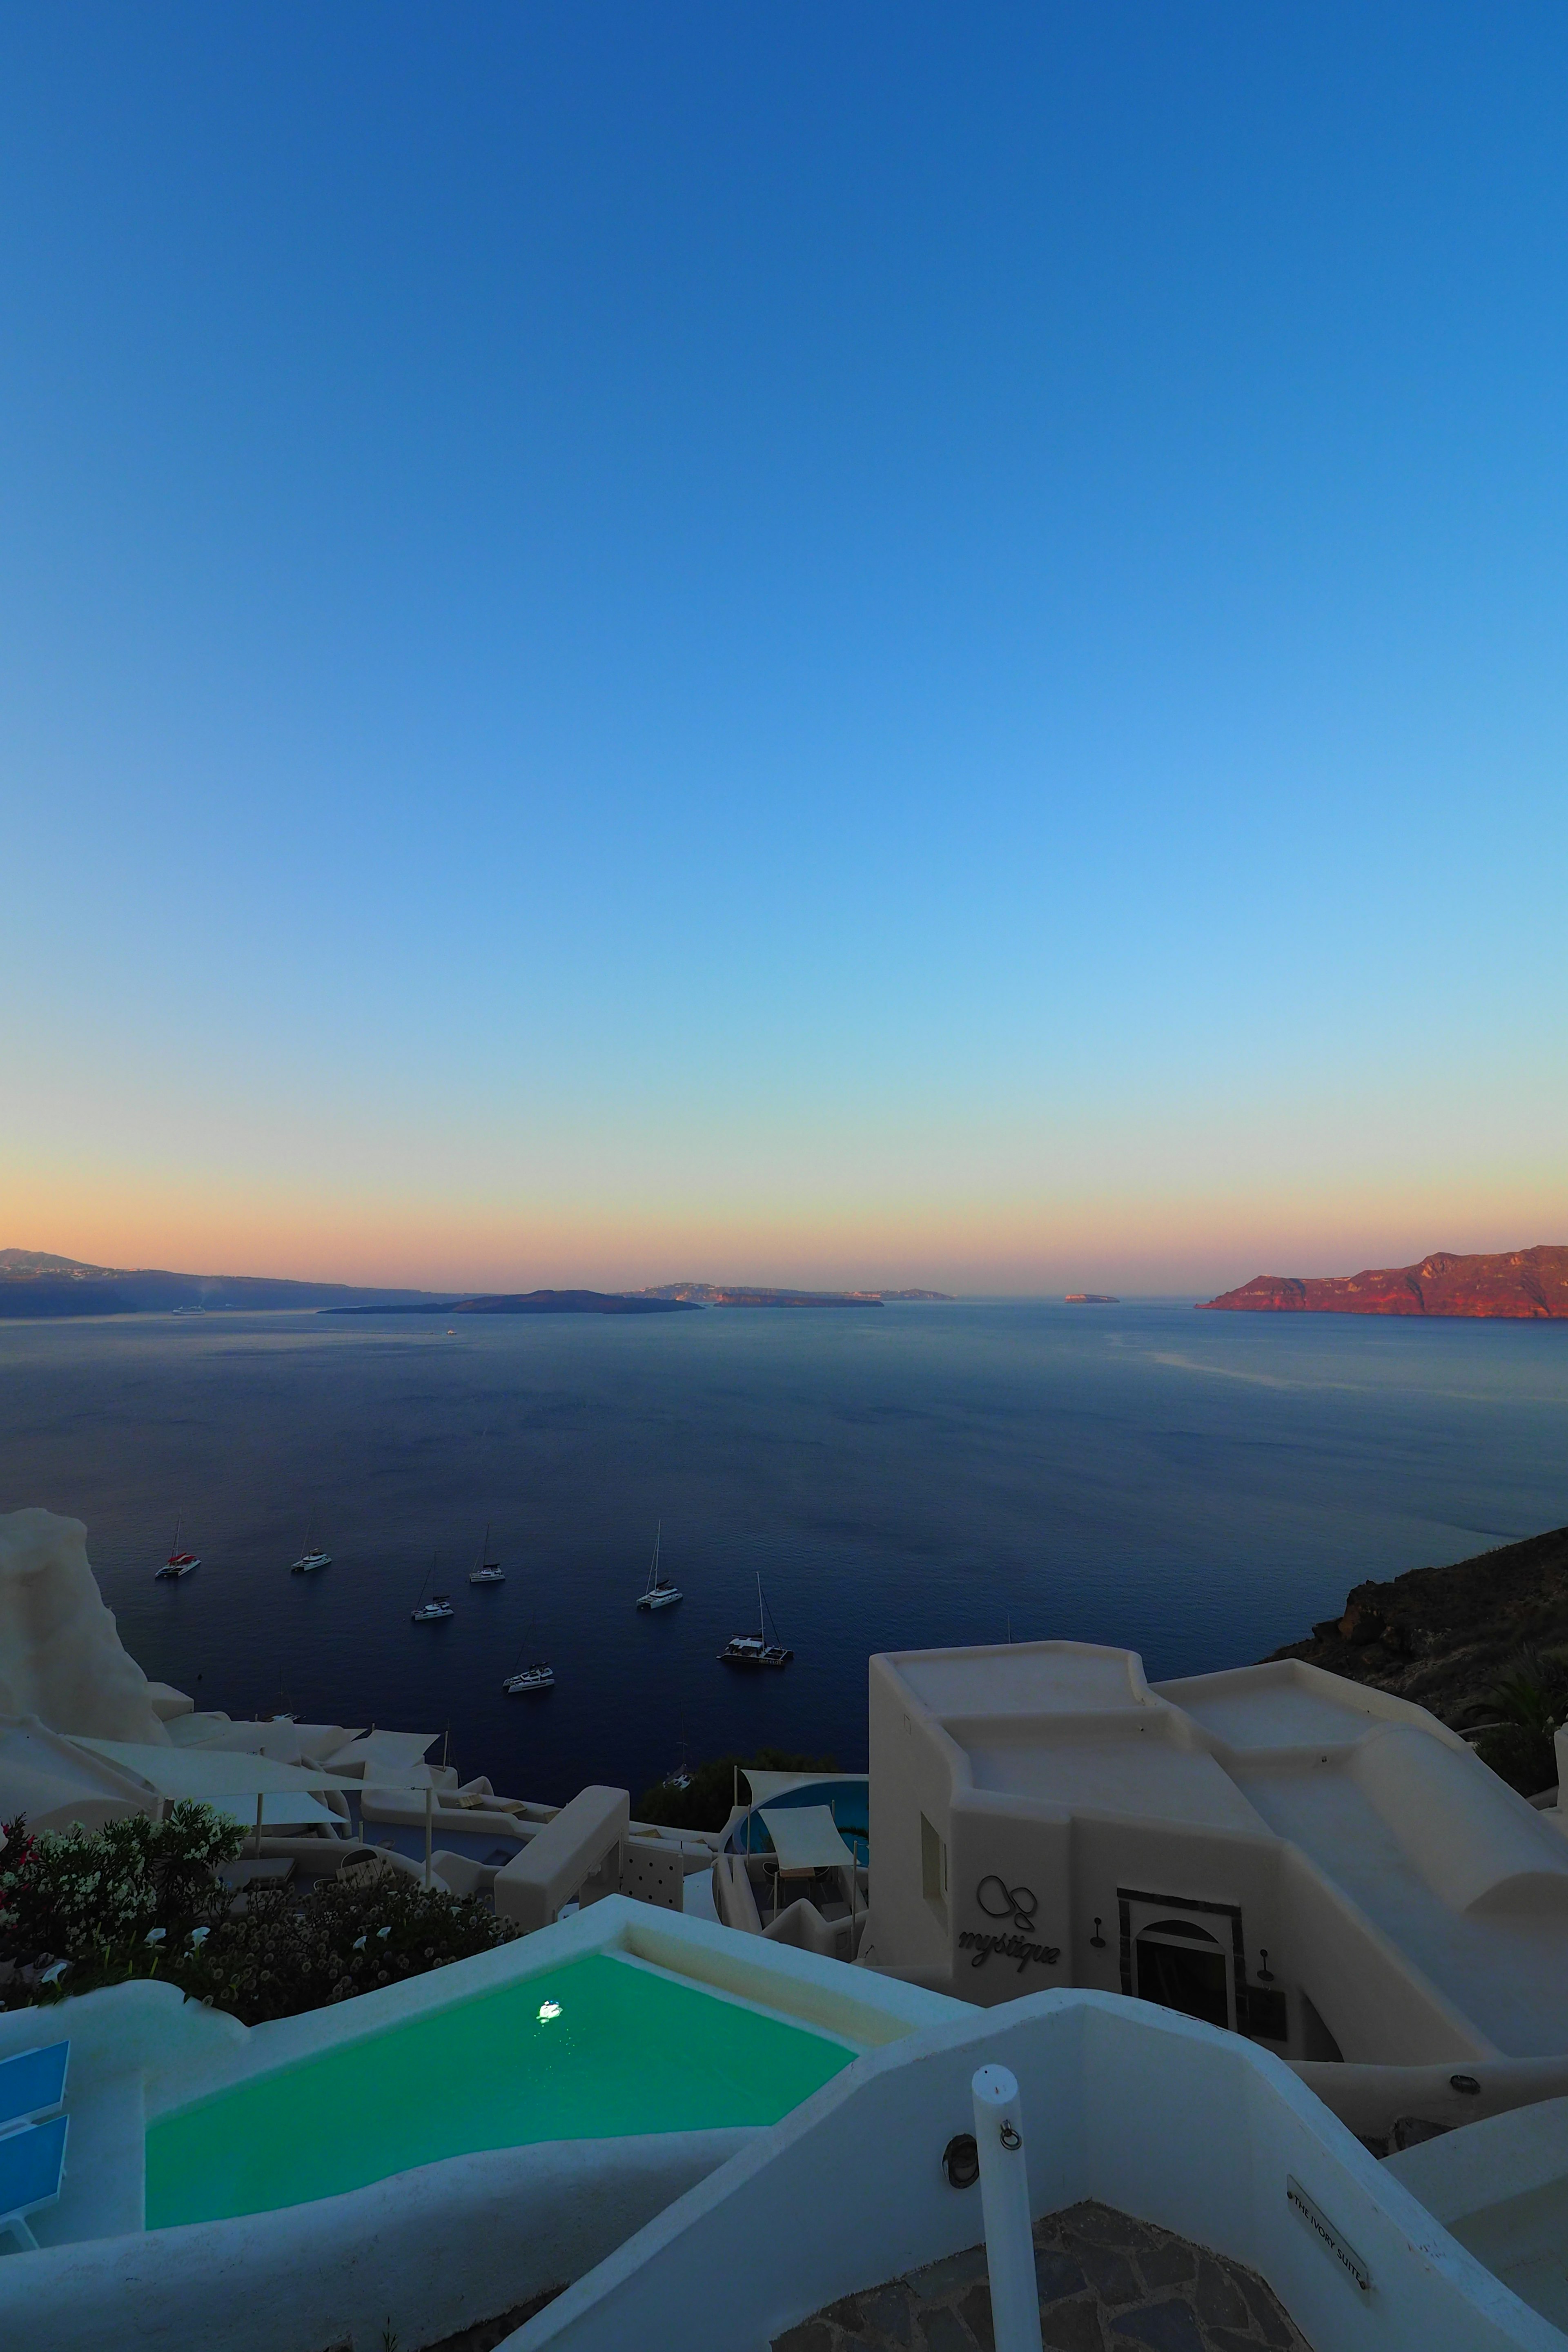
[
  {"x": 278, "y": 1811},
  {"x": 383, "y": 1758},
  {"x": 48, "y": 1778},
  {"x": 285, "y": 1742},
  {"x": 767, "y": 1786},
  {"x": 804, "y": 1838},
  {"x": 208, "y": 1773}
]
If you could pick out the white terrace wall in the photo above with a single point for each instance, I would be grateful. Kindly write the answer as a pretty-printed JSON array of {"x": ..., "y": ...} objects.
[
  {"x": 915, "y": 1769},
  {"x": 425, "y": 2253},
  {"x": 1165, "y": 2118}
]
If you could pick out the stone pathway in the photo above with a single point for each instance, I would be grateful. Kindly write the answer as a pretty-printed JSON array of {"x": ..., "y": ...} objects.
[{"x": 1108, "y": 2284}]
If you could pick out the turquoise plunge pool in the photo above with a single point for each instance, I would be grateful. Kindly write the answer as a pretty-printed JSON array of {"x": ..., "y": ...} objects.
[{"x": 594, "y": 2050}]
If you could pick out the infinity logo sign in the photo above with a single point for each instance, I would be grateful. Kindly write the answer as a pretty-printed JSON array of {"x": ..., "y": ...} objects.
[{"x": 1018, "y": 1903}]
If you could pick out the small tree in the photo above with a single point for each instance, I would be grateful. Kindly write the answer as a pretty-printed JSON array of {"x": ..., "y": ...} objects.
[{"x": 705, "y": 1803}]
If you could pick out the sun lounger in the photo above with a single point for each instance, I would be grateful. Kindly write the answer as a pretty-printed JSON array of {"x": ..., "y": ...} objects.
[
  {"x": 32, "y": 2084},
  {"x": 32, "y": 2161}
]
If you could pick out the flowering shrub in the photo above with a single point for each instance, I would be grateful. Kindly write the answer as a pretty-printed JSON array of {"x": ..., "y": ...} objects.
[
  {"x": 86, "y": 1895},
  {"x": 364, "y": 1928},
  {"x": 139, "y": 1898}
]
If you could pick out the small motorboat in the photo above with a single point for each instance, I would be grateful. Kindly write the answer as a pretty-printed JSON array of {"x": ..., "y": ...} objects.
[
  {"x": 537, "y": 1677},
  {"x": 489, "y": 1572},
  {"x": 658, "y": 1593},
  {"x": 755, "y": 1649},
  {"x": 431, "y": 1611},
  {"x": 179, "y": 1563}
]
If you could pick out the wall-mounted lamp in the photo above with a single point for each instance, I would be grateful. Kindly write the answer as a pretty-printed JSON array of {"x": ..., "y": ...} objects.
[
  {"x": 1265, "y": 1974},
  {"x": 1096, "y": 1939}
]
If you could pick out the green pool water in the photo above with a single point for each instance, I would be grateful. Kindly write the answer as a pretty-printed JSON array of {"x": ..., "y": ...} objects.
[{"x": 594, "y": 2050}]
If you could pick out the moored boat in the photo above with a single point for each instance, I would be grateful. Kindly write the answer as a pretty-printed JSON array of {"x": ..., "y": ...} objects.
[
  {"x": 179, "y": 1563},
  {"x": 539, "y": 1676},
  {"x": 755, "y": 1649},
  {"x": 658, "y": 1593},
  {"x": 489, "y": 1571},
  {"x": 431, "y": 1611}
]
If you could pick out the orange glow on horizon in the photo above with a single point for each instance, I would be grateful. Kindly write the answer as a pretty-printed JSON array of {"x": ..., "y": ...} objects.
[{"x": 1134, "y": 1243}]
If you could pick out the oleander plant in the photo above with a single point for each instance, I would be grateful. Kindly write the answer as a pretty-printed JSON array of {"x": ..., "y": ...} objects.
[{"x": 84, "y": 1908}]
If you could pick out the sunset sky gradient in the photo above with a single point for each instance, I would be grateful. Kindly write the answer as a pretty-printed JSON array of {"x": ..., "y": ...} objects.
[{"x": 894, "y": 646}]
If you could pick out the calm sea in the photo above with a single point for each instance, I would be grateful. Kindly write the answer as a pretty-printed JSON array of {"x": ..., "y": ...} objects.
[{"x": 1200, "y": 1487}]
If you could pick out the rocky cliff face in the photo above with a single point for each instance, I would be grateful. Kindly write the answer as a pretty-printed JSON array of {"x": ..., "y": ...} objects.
[
  {"x": 60, "y": 1654},
  {"x": 1529, "y": 1284},
  {"x": 1444, "y": 1636}
]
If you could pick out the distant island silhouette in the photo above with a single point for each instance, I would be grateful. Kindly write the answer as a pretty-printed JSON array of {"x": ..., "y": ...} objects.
[
  {"x": 711, "y": 1294},
  {"x": 528, "y": 1302},
  {"x": 38, "y": 1282},
  {"x": 1524, "y": 1285}
]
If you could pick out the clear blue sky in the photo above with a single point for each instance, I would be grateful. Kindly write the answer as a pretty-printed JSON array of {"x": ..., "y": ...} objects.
[{"x": 893, "y": 643}]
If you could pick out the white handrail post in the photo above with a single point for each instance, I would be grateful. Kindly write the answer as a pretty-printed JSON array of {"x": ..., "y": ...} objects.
[{"x": 1005, "y": 2201}]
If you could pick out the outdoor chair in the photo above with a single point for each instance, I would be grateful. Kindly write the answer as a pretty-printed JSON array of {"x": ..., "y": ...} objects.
[
  {"x": 32, "y": 2162},
  {"x": 32, "y": 2084}
]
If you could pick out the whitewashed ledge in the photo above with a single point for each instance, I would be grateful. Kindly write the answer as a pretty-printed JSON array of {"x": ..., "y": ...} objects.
[{"x": 427, "y": 2252}]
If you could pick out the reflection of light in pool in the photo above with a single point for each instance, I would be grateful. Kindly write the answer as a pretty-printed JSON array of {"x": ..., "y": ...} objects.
[{"x": 547, "y": 2009}]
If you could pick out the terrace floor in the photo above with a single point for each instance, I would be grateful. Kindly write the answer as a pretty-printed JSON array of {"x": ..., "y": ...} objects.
[{"x": 1108, "y": 2284}]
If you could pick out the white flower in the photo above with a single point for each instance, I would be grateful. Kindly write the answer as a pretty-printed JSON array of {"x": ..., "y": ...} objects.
[
  {"x": 54, "y": 1972},
  {"x": 200, "y": 1935},
  {"x": 359, "y": 1943},
  {"x": 383, "y": 1932},
  {"x": 153, "y": 1935}
]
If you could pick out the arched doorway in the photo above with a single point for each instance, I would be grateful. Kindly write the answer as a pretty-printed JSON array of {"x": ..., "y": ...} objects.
[{"x": 1183, "y": 1966}]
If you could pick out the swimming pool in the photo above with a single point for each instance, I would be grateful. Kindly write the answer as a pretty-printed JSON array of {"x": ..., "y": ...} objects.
[{"x": 598, "y": 2048}]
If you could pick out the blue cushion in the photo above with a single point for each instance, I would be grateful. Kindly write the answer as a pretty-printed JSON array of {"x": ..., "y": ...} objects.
[
  {"x": 31, "y": 2163},
  {"x": 33, "y": 2082}
]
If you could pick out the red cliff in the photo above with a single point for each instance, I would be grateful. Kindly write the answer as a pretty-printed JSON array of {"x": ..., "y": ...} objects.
[{"x": 1524, "y": 1283}]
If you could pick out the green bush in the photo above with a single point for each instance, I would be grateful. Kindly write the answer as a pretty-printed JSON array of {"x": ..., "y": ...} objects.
[
  {"x": 87, "y": 1893},
  {"x": 139, "y": 1898},
  {"x": 705, "y": 1804},
  {"x": 1531, "y": 1699},
  {"x": 364, "y": 1928}
]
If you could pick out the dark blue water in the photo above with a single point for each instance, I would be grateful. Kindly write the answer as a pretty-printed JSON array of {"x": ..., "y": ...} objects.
[{"x": 1200, "y": 1487}]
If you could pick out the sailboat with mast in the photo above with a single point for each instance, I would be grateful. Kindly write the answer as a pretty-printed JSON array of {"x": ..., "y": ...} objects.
[
  {"x": 658, "y": 1593},
  {"x": 489, "y": 1571},
  {"x": 308, "y": 1561},
  {"x": 431, "y": 1611},
  {"x": 524, "y": 1680},
  {"x": 755, "y": 1649},
  {"x": 179, "y": 1563}
]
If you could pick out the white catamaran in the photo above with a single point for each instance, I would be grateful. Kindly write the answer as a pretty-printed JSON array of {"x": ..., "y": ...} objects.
[
  {"x": 431, "y": 1611},
  {"x": 658, "y": 1593},
  {"x": 489, "y": 1572},
  {"x": 179, "y": 1563},
  {"x": 755, "y": 1649},
  {"x": 308, "y": 1561}
]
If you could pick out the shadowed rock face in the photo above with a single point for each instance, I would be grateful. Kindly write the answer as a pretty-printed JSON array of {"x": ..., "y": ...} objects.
[
  {"x": 1531, "y": 1284},
  {"x": 60, "y": 1654}
]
